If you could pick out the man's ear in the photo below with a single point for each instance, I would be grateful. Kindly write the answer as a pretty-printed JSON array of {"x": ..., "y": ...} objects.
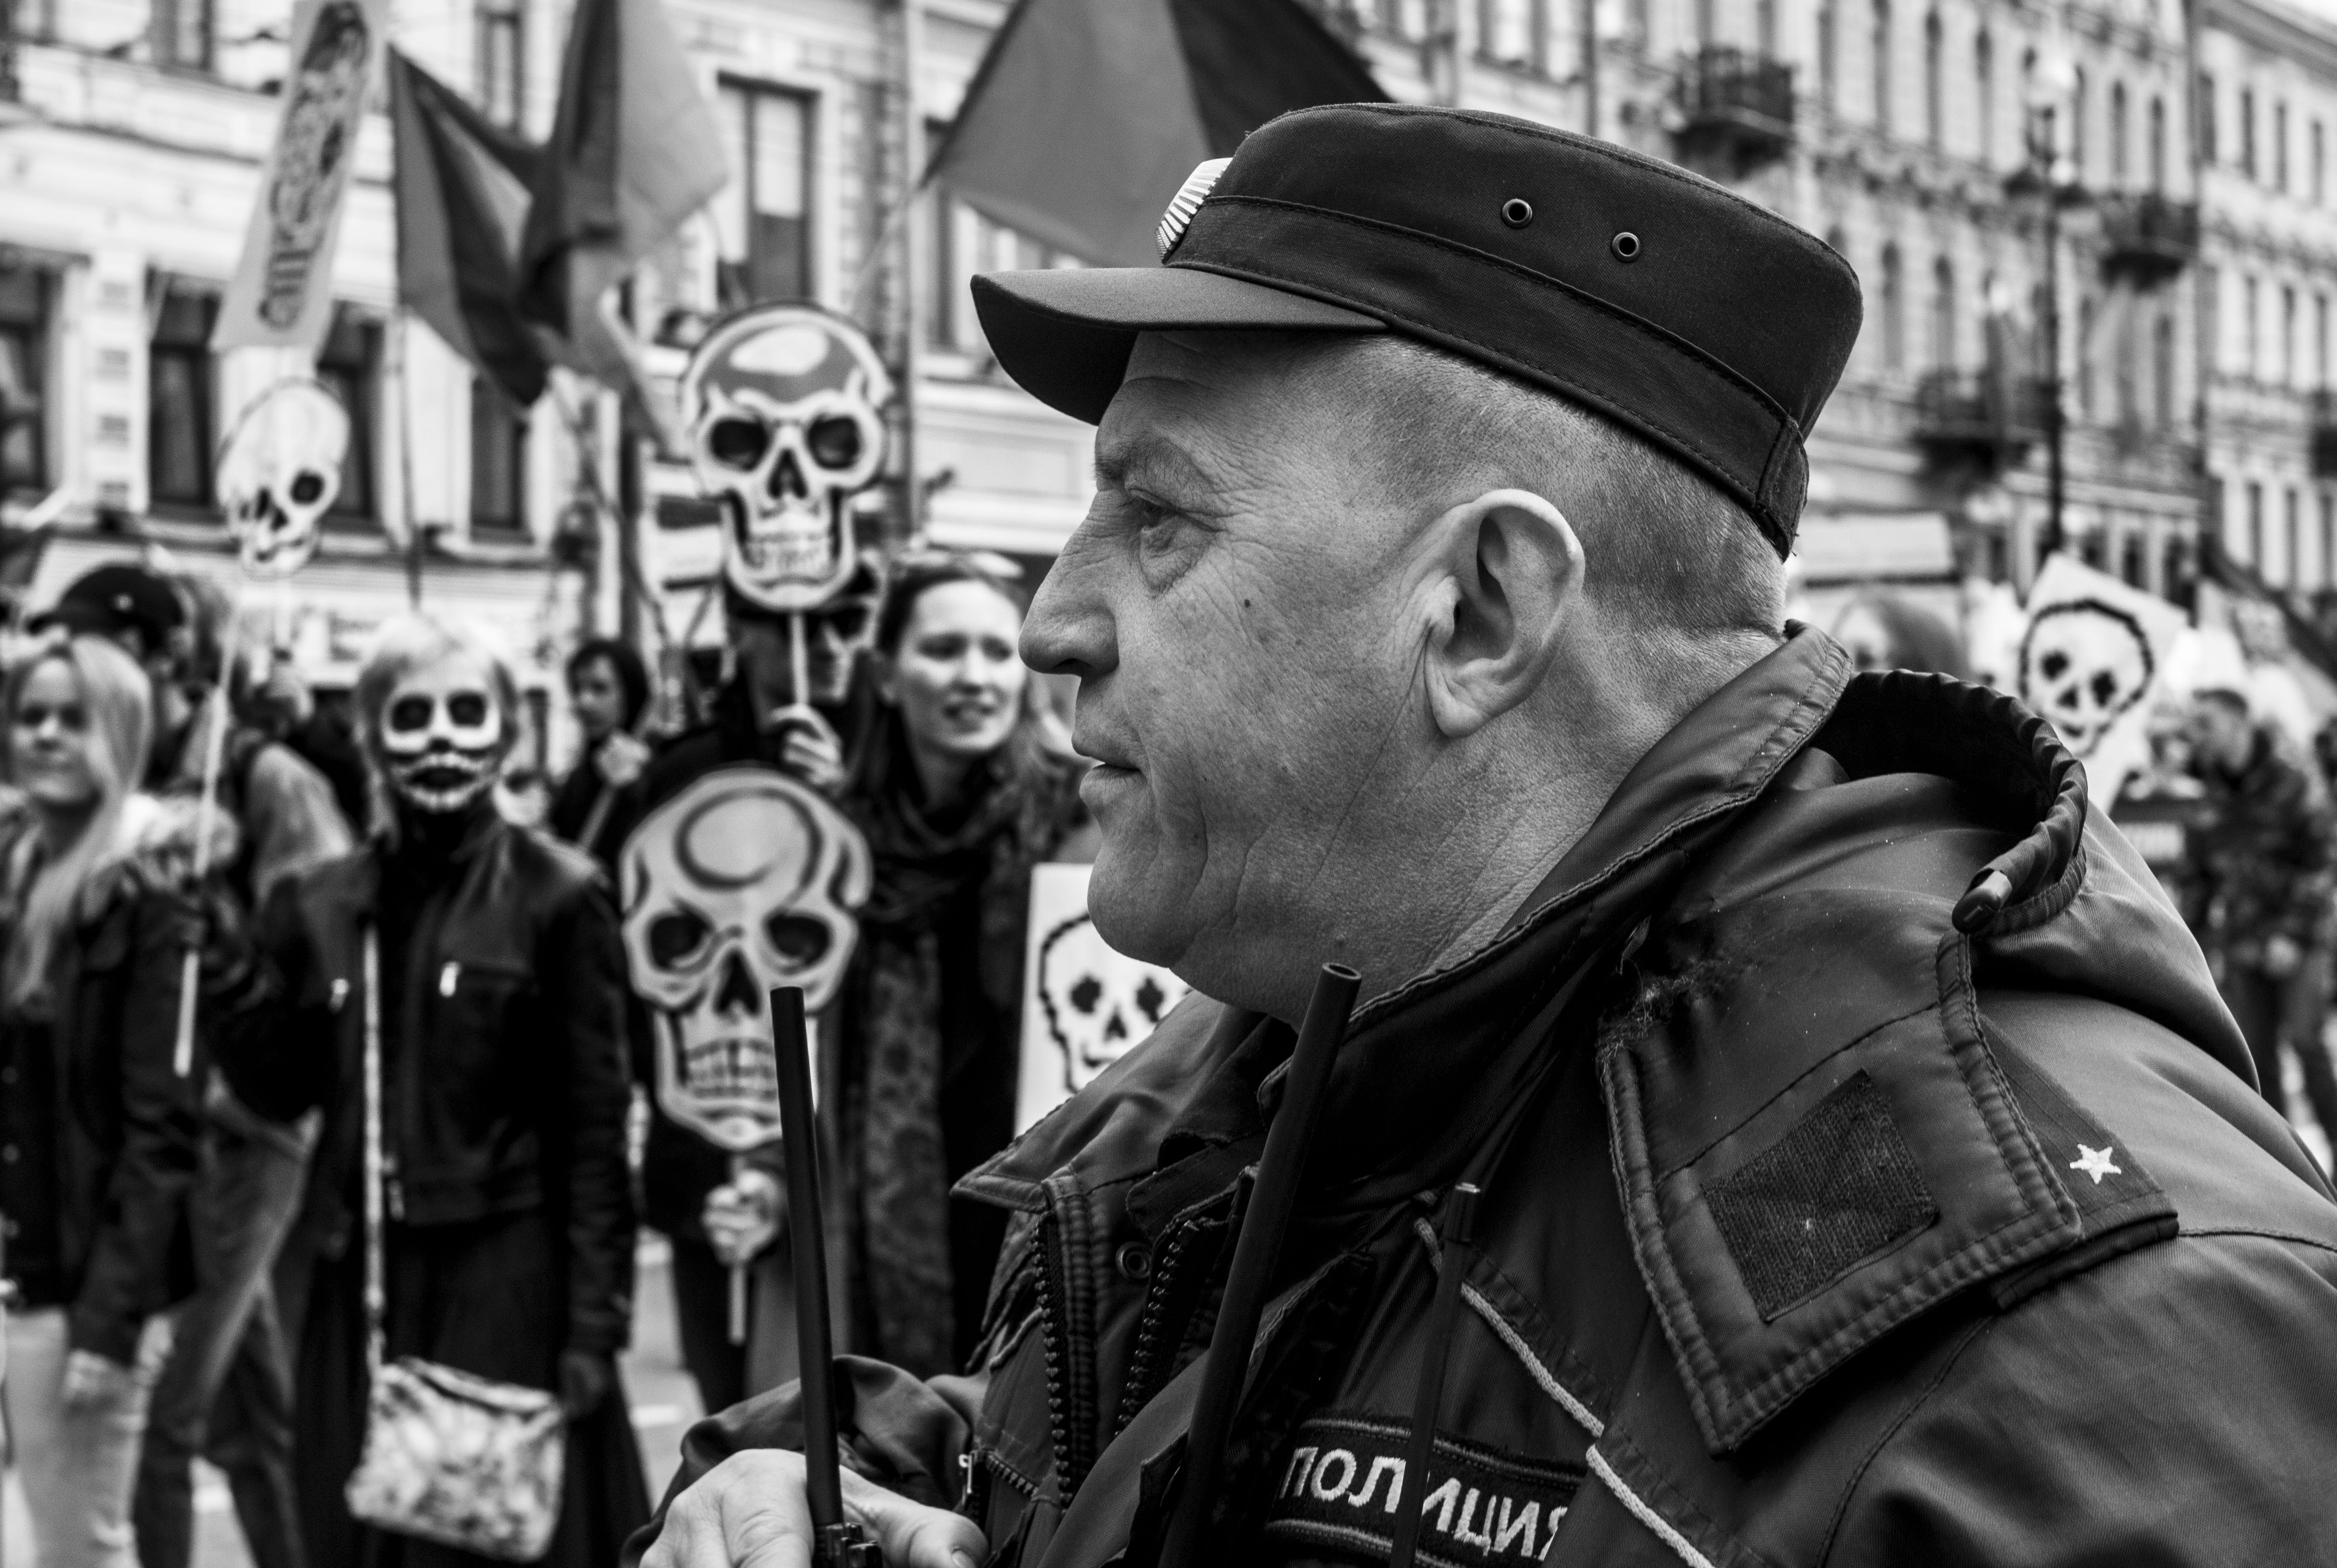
[{"x": 1500, "y": 574}]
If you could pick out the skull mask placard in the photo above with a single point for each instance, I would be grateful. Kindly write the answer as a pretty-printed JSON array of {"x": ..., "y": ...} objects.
[
  {"x": 278, "y": 473},
  {"x": 2083, "y": 665},
  {"x": 1099, "y": 1003},
  {"x": 785, "y": 407},
  {"x": 743, "y": 882}
]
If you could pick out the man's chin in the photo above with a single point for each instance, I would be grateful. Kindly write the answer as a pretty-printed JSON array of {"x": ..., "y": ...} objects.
[{"x": 1128, "y": 916}]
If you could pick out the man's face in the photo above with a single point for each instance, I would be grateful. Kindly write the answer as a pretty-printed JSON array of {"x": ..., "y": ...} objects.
[
  {"x": 1246, "y": 665},
  {"x": 2220, "y": 733}
]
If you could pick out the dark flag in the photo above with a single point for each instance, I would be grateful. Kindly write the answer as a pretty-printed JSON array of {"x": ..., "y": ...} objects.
[
  {"x": 635, "y": 149},
  {"x": 1086, "y": 115},
  {"x": 462, "y": 185}
]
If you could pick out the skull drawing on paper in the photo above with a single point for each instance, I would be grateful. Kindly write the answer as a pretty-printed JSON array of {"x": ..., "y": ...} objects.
[
  {"x": 784, "y": 405},
  {"x": 1099, "y": 1003},
  {"x": 2083, "y": 665},
  {"x": 278, "y": 473},
  {"x": 744, "y": 882}
]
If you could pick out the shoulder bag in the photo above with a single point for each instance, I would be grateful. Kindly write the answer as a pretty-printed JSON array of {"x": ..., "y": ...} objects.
[{"x": 449, "y": 1456}]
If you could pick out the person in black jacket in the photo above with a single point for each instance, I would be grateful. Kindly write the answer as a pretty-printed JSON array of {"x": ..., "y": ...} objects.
[
  {"x": 101, "y": 1130},
  {"x": 609, "y": 686},
  {"x": 509, "y": 1235}
]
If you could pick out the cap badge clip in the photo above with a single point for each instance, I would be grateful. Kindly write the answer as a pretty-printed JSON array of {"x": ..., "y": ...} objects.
[{"x": 1188, "y": 201}]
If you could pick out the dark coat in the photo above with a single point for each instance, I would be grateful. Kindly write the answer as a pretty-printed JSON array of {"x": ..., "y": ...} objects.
[
  {"x": 2262, "y": 855},
  {"x": 1815, "y": 1229},
  {"x": 129, "y": 1125},
  {"x": 511, "y": 1068}
]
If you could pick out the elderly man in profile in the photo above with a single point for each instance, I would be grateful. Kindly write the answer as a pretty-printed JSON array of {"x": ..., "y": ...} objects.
[{"x": 1870, "y": 1174}]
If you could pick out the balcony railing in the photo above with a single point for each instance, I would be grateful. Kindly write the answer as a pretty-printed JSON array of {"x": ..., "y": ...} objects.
[
  {"x": 2324, "y": 435},
  {"x": 1983, "y": 417},
  {"x": 1737, "y": 109},
  {"x": 2149, "y": 238}
]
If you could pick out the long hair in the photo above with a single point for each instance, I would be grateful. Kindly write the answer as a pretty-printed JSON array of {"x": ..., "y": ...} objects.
[
  {"x": 411, "y": 643},
  {"x": 121, "y": 707},
  {"x": 633, "y": 675}
]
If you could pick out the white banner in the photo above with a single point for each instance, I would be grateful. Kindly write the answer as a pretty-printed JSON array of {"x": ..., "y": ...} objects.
[
  {"x": 2093, "y": 661},
  {"x": 282, "y": 293},
  {"x": 1084, "y": 1006}
]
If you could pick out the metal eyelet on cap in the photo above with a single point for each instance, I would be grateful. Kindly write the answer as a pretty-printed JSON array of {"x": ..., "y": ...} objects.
[
  {"x": 1517, "y": 212},
  {"x": 1626, "y": 246}
]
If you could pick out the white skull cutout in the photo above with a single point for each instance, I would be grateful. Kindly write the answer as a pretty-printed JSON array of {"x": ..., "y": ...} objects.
[
  {"x": 1099, "y": 1003},
  {"x": 744, "y": 882},
  {"x": 784, "y": 404},
  {"x": 2083, "y": 665},
  {"x": 278, "y": 473}
]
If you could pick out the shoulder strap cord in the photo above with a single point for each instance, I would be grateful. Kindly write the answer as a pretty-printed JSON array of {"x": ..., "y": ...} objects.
[{"x": 376, "y": 1307}]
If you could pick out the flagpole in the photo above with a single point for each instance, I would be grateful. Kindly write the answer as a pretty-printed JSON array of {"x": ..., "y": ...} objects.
[
  {"x": 912, "y": 317},
  {"x": 402, "y": 381}
]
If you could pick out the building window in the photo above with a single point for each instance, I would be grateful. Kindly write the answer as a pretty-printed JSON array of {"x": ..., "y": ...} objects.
[
  {"x": 1984, "y": 86},
  {"x": 2255, "y": 525},
  {"x": 181, "y": 34},
  {"x": 2292, "y": 542},
  {"x": 2287, "y": 335},
  {"x": 182, "y": 400},
  {"x": 2280, "y": 147},
  {"x": 2157, "y": 144},
  {"x": 498, "y": 462},
  {"x": 1704, "y": 25},
  {"x": 2249, "y": 363},
  {"x": 2077, "y": 117},
  {"x": 349, "y": 366},
  {"x": 502, "y": 57},
  {"x": 2248, "y": 132},
  {"x": 2085, "y": 346},
  {"x": 2328, "y": 540},
  {"x": 1765, "y": 28},
  {"x": 2162, "y": 371},
  {"x": 2130, "y": 561},
  {"x": 1894, "y": 336},
  {"x": 2203, "y": 114},
  {"x": 2319, "y": 162},
  {"x": 1934, "y": 108},
  {"x": 1882, "y": 63},
  {"x": 763, "y": 214},
  {"x": 2321, "y": 341},
  {"x": 2211, "y": 320},
  {"x": 1943, "y": 314},
  {"x": 2117, "y": 135},
  {"x": 1825, "y": 45},
  {"x": 24, "y": 380}
]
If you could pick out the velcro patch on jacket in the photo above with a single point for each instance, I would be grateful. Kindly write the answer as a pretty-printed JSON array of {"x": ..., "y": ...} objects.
[
  {"x": 1344, "y": 1486},
  {"x": 1840, "y": 1186}
]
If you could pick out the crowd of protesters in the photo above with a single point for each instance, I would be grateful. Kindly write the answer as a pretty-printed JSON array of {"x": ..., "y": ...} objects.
[{"x": 383, "y": 951}]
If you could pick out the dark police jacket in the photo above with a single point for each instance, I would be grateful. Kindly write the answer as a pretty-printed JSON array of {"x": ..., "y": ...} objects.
[
  {"x": 510, "y": 1064},
  {"x": 1815, "y": 1230}
]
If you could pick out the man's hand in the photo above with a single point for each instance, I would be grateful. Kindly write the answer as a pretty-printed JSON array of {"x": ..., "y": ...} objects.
[
  {"x": 621, "y": 758},
  {"x": 742, "y": 1215},
  {"x": 749, "y": 1512},
  {"x": 2281, "y": 955},
  {"x": 91, "y": 1379},
  {"x": 810, "y": 749}
]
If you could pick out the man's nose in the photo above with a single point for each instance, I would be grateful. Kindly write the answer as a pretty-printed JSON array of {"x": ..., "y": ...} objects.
[{"x": 1069, "y": 631}]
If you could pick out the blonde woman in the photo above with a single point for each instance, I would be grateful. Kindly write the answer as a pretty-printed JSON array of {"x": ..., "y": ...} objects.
[{"x": 98, "y": 1131}]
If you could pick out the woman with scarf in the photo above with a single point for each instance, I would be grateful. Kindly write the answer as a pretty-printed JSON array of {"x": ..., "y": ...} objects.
[
  {"x": 101, "y": 1130},
  {"x": 965, "y": 782},
  {"x": 481, "y": 959}
]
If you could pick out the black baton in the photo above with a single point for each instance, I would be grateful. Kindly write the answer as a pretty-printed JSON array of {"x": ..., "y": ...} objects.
[
  {"x": 837, "y": 1542},
  {"x": 1256, "y": 1252}
]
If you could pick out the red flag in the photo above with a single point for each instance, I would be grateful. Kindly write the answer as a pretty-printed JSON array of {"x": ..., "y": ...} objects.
[{"x": 1086, "y": 115}]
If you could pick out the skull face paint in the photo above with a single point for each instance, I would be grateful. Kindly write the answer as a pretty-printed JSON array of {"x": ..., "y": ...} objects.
[
  {"x": 280, "y": 472},
  {"x": 743, "y": 882},
  {"x": 1099, "y": 1003},
  {"x": 785, "y": 403},
  {"x": 441, "y": 734},
  {"x": 2083, "y": 665}
]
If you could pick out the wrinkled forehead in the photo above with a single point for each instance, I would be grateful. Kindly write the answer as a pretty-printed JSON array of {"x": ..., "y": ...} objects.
[{"x": 776, "y": 364}]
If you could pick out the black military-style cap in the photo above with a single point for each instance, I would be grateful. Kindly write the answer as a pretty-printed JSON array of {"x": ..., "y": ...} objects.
[{"x": 1710, "y": 327}]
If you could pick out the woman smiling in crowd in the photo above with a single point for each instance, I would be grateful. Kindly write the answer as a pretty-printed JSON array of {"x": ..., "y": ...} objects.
[
  {"x": 100, "y": 1128},
  {"x": 963, "y": 785}
]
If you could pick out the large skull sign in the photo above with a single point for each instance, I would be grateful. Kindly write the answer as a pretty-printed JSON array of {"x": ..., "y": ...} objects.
[
  {"x": 784, "y": 405},
  {"x": 279, "y": 472},
  {"x": 743, "y": 882},
  {"x": 2083, "y": 665},
  {"x": 1098, "y": 1002}
]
